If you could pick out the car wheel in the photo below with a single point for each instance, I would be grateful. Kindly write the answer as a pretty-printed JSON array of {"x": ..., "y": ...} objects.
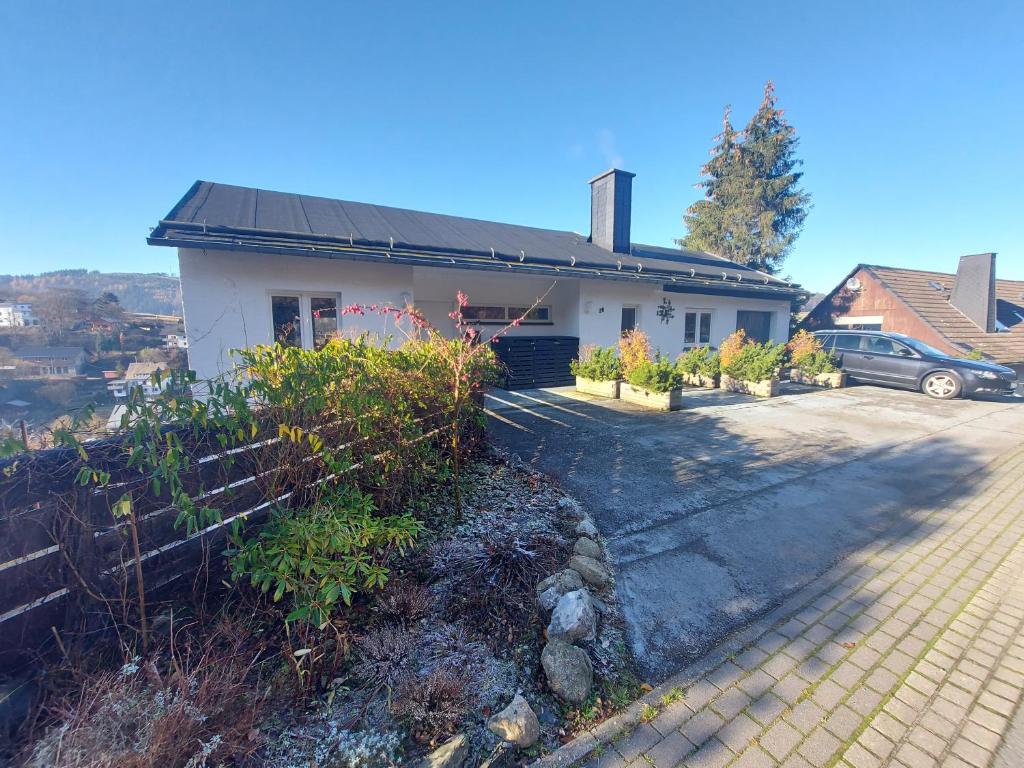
[{"x": 941, "y": 385}]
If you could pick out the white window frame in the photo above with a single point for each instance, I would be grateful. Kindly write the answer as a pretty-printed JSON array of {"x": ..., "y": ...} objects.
[
  {"x": 636, "y": 316},
  {"x": 698, "y": 311},
  {"x": 305, "y": 311},
  {"x": 861, "y": 320},
  {"x": 508, "y": 317}
]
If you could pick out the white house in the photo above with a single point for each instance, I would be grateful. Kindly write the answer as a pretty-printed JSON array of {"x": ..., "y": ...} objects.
[
  {"x": 16, "y": 315},
  {"x": 258, "y": 266},
  {"x": 140, "y": 376},
  {"x": 175, "y": 341}
]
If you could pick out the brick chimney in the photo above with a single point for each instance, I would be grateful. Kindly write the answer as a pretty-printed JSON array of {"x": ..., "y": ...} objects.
[
  {"x": 974, "y": 290},
  {"x": 611, "y": 204}
]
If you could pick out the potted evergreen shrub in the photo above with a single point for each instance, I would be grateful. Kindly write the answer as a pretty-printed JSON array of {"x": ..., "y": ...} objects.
[
  {"x": 754, "y": 370},
  {"x": 654, "y": 384},
  {"x": 597, "y": 371},
  {"x": 811, "y": 364},
  {"x": 699, "y": 367}
]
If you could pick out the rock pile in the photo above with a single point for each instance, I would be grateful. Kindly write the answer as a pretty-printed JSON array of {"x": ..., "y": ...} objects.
[{"x": 574, "y": 612}]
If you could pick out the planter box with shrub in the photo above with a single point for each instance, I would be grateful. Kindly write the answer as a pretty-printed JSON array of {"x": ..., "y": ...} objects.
[
  {"x": 763, "y": 388},
  {"x": 700, "y": 380},
  {"x": 672, "y": 400},
  {"x": 830, "y": 380},
  {"x": 699, "y": 367},
  {"x": 751, "y": 368},
  {"x": 654, "y": 384},
  {"x": 811, "y": 364},
  {"x": 597, "y": 371},
  {"x": 599, "y": 388}
]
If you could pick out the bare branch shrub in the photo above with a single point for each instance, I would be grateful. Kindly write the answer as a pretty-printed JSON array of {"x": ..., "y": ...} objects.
[
  {"x": 384, "y": 655},
  {"x": 434, "y": 705}
]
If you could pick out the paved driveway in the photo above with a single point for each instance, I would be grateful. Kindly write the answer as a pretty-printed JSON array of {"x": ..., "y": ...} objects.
[{"x": 715, "y": 514}]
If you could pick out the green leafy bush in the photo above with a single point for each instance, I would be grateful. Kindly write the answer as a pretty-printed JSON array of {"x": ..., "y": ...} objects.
[
  {"x": 324, "y": 553},
  {"x": 699, "y": 361},
  {"x": 597, "y": 363},
  {"x": 756, "y": 362},
  {"x": 816, "y": 363},
  {"x": 658, "y": 375}
]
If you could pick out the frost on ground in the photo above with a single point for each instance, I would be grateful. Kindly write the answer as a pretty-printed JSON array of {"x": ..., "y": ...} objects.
[{"x": 458, "y": 633}]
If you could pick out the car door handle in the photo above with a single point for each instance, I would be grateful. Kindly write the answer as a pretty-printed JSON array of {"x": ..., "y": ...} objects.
[{"x": 869, "y": 357}]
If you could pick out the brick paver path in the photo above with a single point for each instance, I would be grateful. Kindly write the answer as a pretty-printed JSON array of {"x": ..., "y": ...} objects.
[{"x": 911, "y": 653}]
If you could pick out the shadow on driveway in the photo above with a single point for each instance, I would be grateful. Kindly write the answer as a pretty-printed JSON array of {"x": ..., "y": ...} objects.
[{"x": 713, "y": 515}]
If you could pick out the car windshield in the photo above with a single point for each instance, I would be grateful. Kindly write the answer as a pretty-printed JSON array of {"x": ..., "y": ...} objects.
[{"x": 920, "y": 346}]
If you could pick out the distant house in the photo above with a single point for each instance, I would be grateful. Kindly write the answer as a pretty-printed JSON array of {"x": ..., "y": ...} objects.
[
  {"x": 958, "y": 313},
  {"x": 17, "y": 316},
  {"x": 140, "y": 376},
  {"x": 52, "y": 362},
  {"x": 175, "y": 341},
  {"x": 259, "y": 266}
]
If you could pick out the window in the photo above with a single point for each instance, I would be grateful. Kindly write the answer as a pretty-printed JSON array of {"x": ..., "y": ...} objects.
[
  {"x": 499, "y": 314},
  {"x": 287, "y": 320},
  {"x": 848, "y": 341},
  {"x": 483, "y": 313},
  {"x": 697, "y": 327},
  {"x": 629, "y": 319},
  {"x": 757, "y": 325},
  {"x": 535, "y": 315},
  {"x": 304, "y": 320},
  {"x": 324, "y": 313}
]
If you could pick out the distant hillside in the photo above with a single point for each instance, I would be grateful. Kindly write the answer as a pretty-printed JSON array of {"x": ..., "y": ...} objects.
[{"x": 156, "y": 293}]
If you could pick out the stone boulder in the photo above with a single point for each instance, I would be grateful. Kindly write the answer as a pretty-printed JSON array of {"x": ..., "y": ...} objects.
[
  {"x": 586, "y": 527},
  {"x": 587, "y": 548},
  {"x": 569, "y": 671},
  {"x": 516, "y": 723},
  {"x": 553, "y": 587},
  {"x": 593, "y": 571},
  {"x": 574, "y": 617},
  {"x": 451, "y": 754}
]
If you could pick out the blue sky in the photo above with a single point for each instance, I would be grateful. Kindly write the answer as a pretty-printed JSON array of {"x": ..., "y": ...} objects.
[{"x": 909, "y": 115}]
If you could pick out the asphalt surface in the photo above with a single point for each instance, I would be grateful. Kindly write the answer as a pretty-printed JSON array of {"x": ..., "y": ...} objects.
[{"x": 714, "y": 514}]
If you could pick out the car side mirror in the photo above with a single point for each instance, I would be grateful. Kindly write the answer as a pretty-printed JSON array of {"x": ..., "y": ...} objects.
[{"x": 904, "y": 352}]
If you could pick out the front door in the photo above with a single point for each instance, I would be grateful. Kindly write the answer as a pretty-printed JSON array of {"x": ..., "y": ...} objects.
[{"x": 757, "y": 325}]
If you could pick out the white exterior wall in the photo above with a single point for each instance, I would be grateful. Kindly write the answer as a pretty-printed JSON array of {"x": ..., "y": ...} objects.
[
  {"x": 601, "y": 305},
  {"x": 226, "y": 297},
  {"x": 435, "y": 289}
]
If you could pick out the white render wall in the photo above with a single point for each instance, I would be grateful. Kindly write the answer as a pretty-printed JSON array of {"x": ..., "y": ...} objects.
[
  {"x": 435, "y": 289},
  {"x": 601, "y": 305},
  {"x": 226, "y": 298}
]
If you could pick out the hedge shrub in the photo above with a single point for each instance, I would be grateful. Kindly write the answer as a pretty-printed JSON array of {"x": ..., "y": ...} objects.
[{"x": 597, "y": 363}]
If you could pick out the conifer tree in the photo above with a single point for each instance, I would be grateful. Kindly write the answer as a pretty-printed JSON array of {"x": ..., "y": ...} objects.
[{"x": 753, "y": 208}]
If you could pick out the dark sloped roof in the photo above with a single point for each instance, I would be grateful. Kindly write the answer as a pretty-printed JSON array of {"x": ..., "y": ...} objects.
[
  {"x": 917, "y": 289},
  {"x": 49, "y": 353},
  {"x": 241, "y": 218}
]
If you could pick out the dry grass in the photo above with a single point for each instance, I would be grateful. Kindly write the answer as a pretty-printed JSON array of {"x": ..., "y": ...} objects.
[{"x": 196, "y": 704}]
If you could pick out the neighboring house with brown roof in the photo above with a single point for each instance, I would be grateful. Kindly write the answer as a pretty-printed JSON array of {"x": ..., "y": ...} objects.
[{"x": 971, "y": 310}]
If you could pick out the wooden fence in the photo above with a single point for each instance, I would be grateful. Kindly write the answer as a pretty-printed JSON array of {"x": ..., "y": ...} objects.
[{"x": 66, "y": 562}]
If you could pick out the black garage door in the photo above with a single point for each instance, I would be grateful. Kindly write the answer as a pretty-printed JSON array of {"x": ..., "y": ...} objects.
[{"x": 536, "y": 361}]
